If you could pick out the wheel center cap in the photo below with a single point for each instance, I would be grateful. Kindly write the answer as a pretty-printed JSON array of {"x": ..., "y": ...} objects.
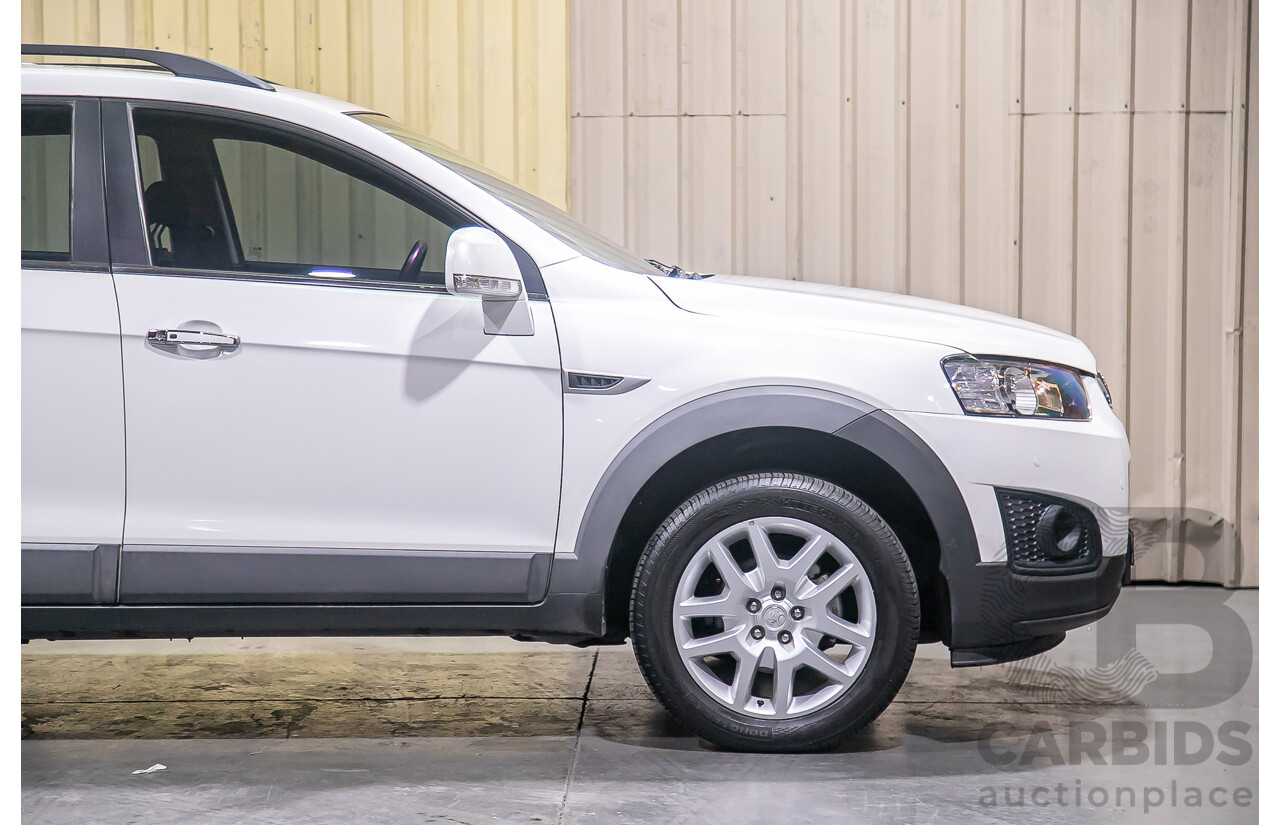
[{"x": 774, "y": 616}]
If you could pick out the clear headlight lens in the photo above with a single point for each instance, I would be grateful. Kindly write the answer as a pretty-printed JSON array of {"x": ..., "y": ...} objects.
[{"x": 1009, "y": 387}]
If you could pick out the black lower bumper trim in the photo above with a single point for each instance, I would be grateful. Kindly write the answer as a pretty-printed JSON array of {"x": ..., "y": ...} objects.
[{"x": 995, "y": 654}]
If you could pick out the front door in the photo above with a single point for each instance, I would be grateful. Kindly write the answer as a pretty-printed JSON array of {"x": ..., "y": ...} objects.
[{"x": 305, "y": 422}]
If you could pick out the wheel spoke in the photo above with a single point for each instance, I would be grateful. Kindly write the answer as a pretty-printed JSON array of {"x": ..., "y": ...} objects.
[
  {"x": 726, "y": 642},
  {"x": 699, "y": 607},
  {"x": 749, "y": 663},
  {"x": 784, "y": 684},
  {"x": 829, "y": 624},
  {"x": 766, "y": 558},
  {"x": 824, "y": 664},
  {"x": 809, "y": 555},
  {"x": 821, "y": 594},
  {"x": 734, "y": 579}
]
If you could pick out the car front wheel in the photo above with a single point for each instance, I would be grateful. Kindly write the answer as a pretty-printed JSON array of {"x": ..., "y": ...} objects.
[{"x": 774, "y": 612}]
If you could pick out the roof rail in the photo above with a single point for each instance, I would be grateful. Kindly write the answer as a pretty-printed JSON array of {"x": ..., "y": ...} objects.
[{"x": 180, "y": 65}]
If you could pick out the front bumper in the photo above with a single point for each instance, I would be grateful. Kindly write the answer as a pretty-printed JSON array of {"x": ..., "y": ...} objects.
[{"x": 1001, "y": 616}]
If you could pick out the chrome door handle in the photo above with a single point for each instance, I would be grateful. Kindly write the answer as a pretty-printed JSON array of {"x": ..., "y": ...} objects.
[{"x": 192, "y": 338}]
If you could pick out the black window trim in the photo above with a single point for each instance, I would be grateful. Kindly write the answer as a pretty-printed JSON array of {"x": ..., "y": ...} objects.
[
  {"x": 89, "y": 250},
  {"x": 131, "y": 252}
]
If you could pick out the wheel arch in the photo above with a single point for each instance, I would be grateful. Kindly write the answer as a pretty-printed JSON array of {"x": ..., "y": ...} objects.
[{"x": 786, "y": 428}]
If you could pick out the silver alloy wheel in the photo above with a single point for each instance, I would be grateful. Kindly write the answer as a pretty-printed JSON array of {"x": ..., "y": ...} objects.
[{"x": 727, "y": 611}]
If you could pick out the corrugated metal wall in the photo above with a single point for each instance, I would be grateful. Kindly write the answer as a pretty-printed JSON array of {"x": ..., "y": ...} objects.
[
  {"x": 1079, "y": 163},
  {"x": 488, "y": 77}
]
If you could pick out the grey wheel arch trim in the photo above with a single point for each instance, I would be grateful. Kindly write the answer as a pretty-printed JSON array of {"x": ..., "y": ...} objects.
[
  {"x": 775, "y": 406},
  {"x": 690, "y": 424}
]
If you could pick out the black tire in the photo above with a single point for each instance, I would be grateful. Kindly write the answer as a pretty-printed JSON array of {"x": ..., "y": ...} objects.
[{"x": 756, "y": 496}]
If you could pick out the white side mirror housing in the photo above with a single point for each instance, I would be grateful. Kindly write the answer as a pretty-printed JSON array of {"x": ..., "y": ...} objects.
[{"x": 477, "y": 261}]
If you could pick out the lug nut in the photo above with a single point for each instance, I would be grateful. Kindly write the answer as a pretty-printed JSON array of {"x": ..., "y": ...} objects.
[
  {"x": 779, "y": 594},
  {"x": 753, "y": 605},
  {"x": 797, "y": 612},
  {"x": 784, "y": 637},
  {"x": 757, "y": 632}
]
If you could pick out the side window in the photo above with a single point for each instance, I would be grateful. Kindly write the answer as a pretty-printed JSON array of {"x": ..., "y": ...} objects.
[
  {"x": 220, "y": 193},
  {"x": 46, "y": 182}
]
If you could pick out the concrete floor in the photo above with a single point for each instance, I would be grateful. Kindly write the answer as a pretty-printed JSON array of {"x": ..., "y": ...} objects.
[{"x": 489, "y": 730}]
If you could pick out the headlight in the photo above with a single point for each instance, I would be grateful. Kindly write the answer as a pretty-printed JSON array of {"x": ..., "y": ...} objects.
[{"x": 1004, "y": 386}]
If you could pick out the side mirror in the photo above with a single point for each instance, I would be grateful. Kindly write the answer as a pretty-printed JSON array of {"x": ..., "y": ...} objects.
[{"x": 477, "y": 261}]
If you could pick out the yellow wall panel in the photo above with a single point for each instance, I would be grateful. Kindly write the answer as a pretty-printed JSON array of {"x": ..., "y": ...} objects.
[{"x": 486, "y": 77}]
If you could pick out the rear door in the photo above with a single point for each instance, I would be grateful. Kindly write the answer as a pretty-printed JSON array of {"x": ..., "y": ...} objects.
[
  {"x": 338, "y": 431},
  {"x": 73, "y": 477}
]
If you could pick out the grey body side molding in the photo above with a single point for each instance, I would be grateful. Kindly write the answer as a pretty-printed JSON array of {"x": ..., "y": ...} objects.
[{"x": 723, "y": 412}]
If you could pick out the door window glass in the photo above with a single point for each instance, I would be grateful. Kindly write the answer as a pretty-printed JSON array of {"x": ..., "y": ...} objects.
[
  {"x": 46, "y": 183},
  {"x": 231, "y": 195}
]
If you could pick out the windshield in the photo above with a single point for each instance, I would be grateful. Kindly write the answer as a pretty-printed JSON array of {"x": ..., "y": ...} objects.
[{"x": 551, "y": 218}]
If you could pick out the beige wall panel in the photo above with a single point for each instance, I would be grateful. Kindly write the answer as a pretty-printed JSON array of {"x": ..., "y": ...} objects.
[
  {"x": 707, "y": 185},
  {"x": 706, "y": 57},
  {"x": 760, "y": 57},
  {"x": 652, "y": 57},
  {"x": 653, "y": 187},
  {"x": 386, "y": 35},
  {"x": 1050, "y": 55},
  {"x": 990, "y": 144},
  {"x": 1102, "y": 247},
  {"x": 818, "y": 101},
  {"x": 1160, "y": 56},
  {"x": 1247, "y": 514},
  {"x": 1106, "y": 31},
  {"x": 760, "y": 142},
  {"x": 597, "y": 52},
  {"x": 1216, "y": 48},
  {"x": 880, "y": 119},
  {"x": 934, "y": 144},
  {"x": 1048, "y": 199},
  {"x": 551, "y": 104},
  {"x": 1212, "y": 346},
  {"x": 1156, "y": 392},
  {"x": 599, "y": 193},
  {"x": 278, "y": 33},
  {"x": 498, "y": 87},
  {"x": 331, "y": 36},
  {"x": 444, "y": 69}
]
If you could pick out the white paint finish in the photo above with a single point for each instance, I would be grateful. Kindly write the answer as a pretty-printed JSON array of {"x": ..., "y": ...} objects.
[
  {"x": 72, "y": 409},
  {"x": 906, "y": 317},
  {"x": 1047, "y": 215},
  {"x": 1102, "y": 247},
  {"x": 1106, "y": 31},
  {"x": 1050, "y": 55},
  {"x": 1084, "y": 461},
  {"x": 347, "y": 417},
  {"x": 652, "y": 55}
]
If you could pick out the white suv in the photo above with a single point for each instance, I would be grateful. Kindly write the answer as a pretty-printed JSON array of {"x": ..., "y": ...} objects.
[{"x": 289, "y": 367}]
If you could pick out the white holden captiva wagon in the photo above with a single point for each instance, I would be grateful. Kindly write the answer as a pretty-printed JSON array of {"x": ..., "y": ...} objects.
[{"x": 291, "y": 368}]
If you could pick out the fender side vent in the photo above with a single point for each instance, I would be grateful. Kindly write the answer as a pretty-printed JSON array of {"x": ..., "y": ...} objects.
[{"x": 585, "y": 381}]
